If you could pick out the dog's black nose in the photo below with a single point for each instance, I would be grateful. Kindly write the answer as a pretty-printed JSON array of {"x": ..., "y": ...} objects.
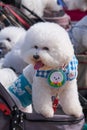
[{"x": 36, "y": 57}]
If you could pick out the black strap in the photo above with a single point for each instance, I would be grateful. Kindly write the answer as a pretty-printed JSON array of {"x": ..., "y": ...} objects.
[{"x": 33, "y": 13}]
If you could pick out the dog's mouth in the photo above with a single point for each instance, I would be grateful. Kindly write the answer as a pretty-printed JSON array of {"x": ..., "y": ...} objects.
[{"x": 38, "y": 65}]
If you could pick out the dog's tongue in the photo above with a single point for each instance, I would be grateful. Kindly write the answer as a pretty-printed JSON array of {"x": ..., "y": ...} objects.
[{"x": 38, "y": 65}]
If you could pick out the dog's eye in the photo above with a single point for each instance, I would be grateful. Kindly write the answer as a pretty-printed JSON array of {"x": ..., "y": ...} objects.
[
  {"x": 8, "y": 39},
  {"x": 46, "y": 48},
  {"x": 36, "y": 47}
]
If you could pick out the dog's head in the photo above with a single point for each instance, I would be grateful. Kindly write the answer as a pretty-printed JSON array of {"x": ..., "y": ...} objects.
[
  {"x": 9, "y": 37},
  {"x": 47, "y": 46}
]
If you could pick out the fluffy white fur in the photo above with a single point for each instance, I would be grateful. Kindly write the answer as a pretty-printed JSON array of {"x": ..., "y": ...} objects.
[
  {"x": 7, "y": 76},
  {"x": 76, "y": 4},
  {"x": 12, "y": 59},
  {"x": 51, "y": 44},
  {"x": 38, "y": 6},
  {"x": 78, "y": 35},
  {"x": 9, "y": 36}
]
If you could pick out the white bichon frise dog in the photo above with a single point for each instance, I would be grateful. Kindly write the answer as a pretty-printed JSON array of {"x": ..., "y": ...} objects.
[
  {"x": 39, "y": 6},
  {"x": 54, "y": 68},
  {"x": 9, "y": 41},
  {"x": 13, "y": 59},
  {"x": 8, "y": 38}
]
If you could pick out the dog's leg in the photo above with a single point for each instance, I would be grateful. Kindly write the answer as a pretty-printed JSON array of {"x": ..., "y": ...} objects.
[
  {"x": 42, "y": 99},
  {"x": 69, "y": 100}
]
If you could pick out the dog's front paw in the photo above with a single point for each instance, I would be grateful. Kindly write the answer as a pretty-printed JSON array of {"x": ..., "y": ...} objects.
[
  {"x": 48, "y": 113},
  {"x": 78, "y": 112},
  {"x": 74, "y": 111}
]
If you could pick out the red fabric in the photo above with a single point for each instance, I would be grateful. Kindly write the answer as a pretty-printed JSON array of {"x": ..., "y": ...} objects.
[
  {"x": 5, "y": 109},
  {"x": 76, "y": 15},
  {"x": 14, "y": 14},
  {"x": 55, "y": 104}
]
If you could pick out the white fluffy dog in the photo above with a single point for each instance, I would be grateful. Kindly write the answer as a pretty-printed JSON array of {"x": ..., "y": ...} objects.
[
  {"x": 38, "y": 6},
  {"x": 54, "y": 68},
  {"x": 76, "y": 4},
  {"x": 13, "y": 59},
  {"x": 8, "y": 38}
]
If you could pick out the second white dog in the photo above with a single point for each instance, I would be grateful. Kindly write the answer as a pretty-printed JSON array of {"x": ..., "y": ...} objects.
[
  {"x": 9, "y": 37},
  {"x": 9, "y": 41}
]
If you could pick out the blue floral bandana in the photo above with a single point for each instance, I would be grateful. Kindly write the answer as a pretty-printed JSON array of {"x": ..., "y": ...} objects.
[{"x": 21, "y": 88}]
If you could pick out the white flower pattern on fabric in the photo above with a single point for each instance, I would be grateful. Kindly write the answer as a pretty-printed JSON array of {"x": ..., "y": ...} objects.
[{"x": 21, "y": 88}]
